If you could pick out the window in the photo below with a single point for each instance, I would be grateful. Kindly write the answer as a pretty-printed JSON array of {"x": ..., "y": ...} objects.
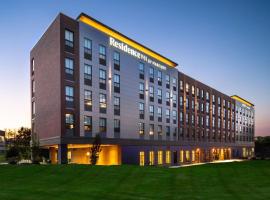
[
  {"x": 69, "y": 97},
  {"x": 159, "y": 113},
  {"x": 207, "y": 120},
  {"x": 159, "y": 130},
  {"x": 202, "y": 94},
  {"x": 151, "y": 93},
  {"x": 168, "y": 157},
  {"x": 167, "y": 78},
  {"x": 187, "y": 156},
  {"x": 181, "y": 117},
  {"x": 174, "y": 83},
  {"x": 160, "y": 158},
  {"x": 33, "y": 65},
  {"x": 116, "y": 83},
  {"x": 69, "y": 39},
  {"x": 87, "y": 74},
  {"x": 207, "y": 107},
  {"x": 181, "y": 156},
  {"x": 213, "y": 122},
  {"x": 102, "y": 55},
  {"x": 159, "y": 94},
  {"x": 141, "y": 70},
  {"x": 181, "y": 86},
  {"x": 202, "y": 107},
  {"x": 141, "y": 90},
  {"x": 159, "y": 76},
  {"x": 69, "y": 124},
  {"x": 187, "y": 88},
  {"x": 202, "y": 121},
  {"x": 141, "y": 110},
  {"x": 167, "y": 98},
  {"x": 141, "y": 128},
  {"x": 187, "y": 103},
  {"x": 192, "y": 105},
  {"x": 219, "y": 101},
  {"x": 117, "y": 127},
  {"x": 102, "y": 103},
  {"x": 151, "y": 74},
  {"x": 151, "y": 112},
  {"x": 213, "y": 98},
  {"x": 187, "y": 118},
  {"x": 141, "y": 158},
  {"x": 151, "y": 158},
  {"x": 174, "y": 116},
  {"x": 87, "y": 125},
  {"x": 69, "y": 67},
  {"x": 87, "y": 49},
  {"x": 168, "y": 132},
  {"x": 116, "y": 60},
  {"x": 116, "y": 106},
  {"x": 33, "y": 87},
  {"x": 213, "y": 109},
  {"x": 151, "y": 129},
  {"x": 102, "y": 79},
  {"x": 193, "y": 90},
  {"x": 167, "y": 116},
  {"x": 33, "y": 108},
  {"x": 181, "y": 101},
  {"x": 207, "y": 96},
  {"x": 174, "y": 99},
  {"x": 102, "y": 125},
  {"x": 87, "y": 100}
]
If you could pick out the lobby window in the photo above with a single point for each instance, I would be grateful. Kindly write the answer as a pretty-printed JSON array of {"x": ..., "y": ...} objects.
[
  {"x": 116, "y": 83},
  {"x": 87, "y": 49},
  {"x": 187, "y": 88},
  {"x": 116, "y": 60},
  {"x": 141, "y": 110},
  {"x": 193, "y": 90},
  {"x": 174, "y": 99},
  {"x": 87, "y": 100},
  {"x": 181, "y": 156},
  {"x": 151, "y": 158},
  {"x": 160, "y": 158},
  {"x": 102, "y": 79},
  {"x": 69, "y": 40},
  {"x": 141, "y": 128},
  {"x": 87, "y": 125},
  {"x": 151, "y": 112},
  {"x": 151, "y": 74},
  {"x": 87, "y": 74},
  {"x": 174, "y": 116},
  {"x": 167, "y": 94},
  {"x": 159, "y": 95},
  {"x": 159, "y": 77},
  {"x": 151, "y": 129},
  {"x": 159, "y": 114},
  {"x": 102, "y": 103},
  {"x": 69, "y": 118},
  {"x": 141, "y": 70},
  {"x": 187, "y": 118},
  {"x": 151, "y": 93},
  {"x": 167, "y": 78},
  {"x": 168, "y": 132},
  {"x": 116, "y": 127},
  {"x": 159, "y": 130},
  {"x": 174, "y": 83},
  {"x": 181, "y": 85},
  {"x": 141, "y": 90},
  {"x": 187, "y": 156},
  {"x": 102, "y": 55},
  {"x": 102, "y": 125},
  {"x": 69, "y": 96},
  {"x": 116, "y": 104},
  {"x": 69, "y": 68},
  {"x": 141, "y": 154},
  {"x": 167, "y": 116},
  {"x": 168, "y": 157},
  {"x": 193, "y": 155}
]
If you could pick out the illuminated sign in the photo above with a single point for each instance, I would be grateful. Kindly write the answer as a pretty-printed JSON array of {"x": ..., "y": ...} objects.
[{"x": 127, "y": 49}]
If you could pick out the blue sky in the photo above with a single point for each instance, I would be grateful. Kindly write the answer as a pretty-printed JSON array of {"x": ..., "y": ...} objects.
[{"x": 224, "y": 44}]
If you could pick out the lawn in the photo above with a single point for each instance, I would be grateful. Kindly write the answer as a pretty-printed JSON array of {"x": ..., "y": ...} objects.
[{"x": 245, "y": 180}]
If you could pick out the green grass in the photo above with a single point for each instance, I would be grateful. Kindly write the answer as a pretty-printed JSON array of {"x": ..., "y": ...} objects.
[
  {"x": 2, "y": 158},
  {"x": 245, "y": 180}
]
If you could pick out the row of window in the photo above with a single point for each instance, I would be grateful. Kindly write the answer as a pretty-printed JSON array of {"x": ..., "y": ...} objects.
[{"x": 159, "y": 130}]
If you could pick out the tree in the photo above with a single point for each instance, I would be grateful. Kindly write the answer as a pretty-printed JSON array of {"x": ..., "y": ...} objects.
[
  {"x": 13, "y": 155},
  {"x": 95, "y": 150},
  {"x": 36, "y": 151}
]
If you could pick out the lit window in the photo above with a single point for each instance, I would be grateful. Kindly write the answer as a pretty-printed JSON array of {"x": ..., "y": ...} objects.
[
  {"x": 69, "y": 118},
  {"x": 193, "y": 90},
  {"x": 102, "y": 125},
  {"x": 160, "y": 158},
  {"x": 142, "y": 158},
  {"x": 141, "y": 128},
  {"x": 151, "y": 158},
  {"x": 187, "y": 88},
  {"x": 87, "y": 124},
  {"x": 151, "y": 129},
  {"x": 168, "y": 157},
  {"x": 87, "y": 100},
  {"x": 102, "y": 103}
]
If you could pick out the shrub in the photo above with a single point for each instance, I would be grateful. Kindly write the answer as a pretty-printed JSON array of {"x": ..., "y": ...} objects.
[{"x": 13, "y": 155}]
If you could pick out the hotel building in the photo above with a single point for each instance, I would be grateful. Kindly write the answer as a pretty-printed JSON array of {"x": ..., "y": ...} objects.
[{"x": 88, "y": 79}]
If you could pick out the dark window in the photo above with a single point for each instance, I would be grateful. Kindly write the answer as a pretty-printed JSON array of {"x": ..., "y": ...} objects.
[
  {"x": 87, "y": 49},
  {"x": 87, "y": 100},
  {"x": 159, "y": 76},
  {"x": 141, "y": 70},
  {"x": 116, "y": 60},
  {"x": 69, "y": 97},
  {"x": 117, "y": 105},
  {"x": 87, "y": 74},
  {"x": 168, "y": 81},
  {"x": 102, "y": 103},
  {"x": 141, "y": 90},
  {"x": 102, "y": 79},
  {"x": 88, "y": 126},
  {"x": 102, "y": 126},
  {"x": 174, "y": 83},
  {"x": 159, "y": 95},
  {"x": 116, "y": 128},
  {"x": 159, "y": 114},
  {"x": 167, "y": 116},
  {"x": 141, "y": 110},
  {"x": 102, "y": 55},
  {"x": 174, "y": 99},
  {"x": 167, "y": 98},
  {"x": 168, "y": 131},
  {"x": 151, "y": 74},
  {"x": 116, "y": 83},
  {"x": 69, "y": 41},
  {"x": 69, "y": 124},
  {"x": 69, "y": 68},
  {"x": 159, "y": 132},
  {"x": 174, "y": 116},
  {"x": 151, "y": 112},
  {"x": 151, "y": 93}
]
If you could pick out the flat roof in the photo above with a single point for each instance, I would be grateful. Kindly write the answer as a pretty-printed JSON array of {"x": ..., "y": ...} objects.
[
  {"x": 240, "y": 99},
  {"x": 113, "y": 33}
]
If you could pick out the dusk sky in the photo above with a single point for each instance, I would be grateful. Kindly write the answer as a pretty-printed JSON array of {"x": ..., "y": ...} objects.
[{"x": 224, "y": 44}]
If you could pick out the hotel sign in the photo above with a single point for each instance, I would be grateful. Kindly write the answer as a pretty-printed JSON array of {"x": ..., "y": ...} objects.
[{"x": 127, "y": 49}]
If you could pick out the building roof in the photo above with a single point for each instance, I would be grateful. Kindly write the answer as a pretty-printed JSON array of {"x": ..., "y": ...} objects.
[
  {"x": 113, "y": 33},
  {"x": 240, "y": 99}
]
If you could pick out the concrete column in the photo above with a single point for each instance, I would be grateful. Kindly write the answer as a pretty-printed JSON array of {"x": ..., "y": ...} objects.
[{"x": 62, "y": 154}]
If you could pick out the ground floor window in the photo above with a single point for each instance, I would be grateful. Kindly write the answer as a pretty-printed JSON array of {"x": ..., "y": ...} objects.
[
  {"x": 160, "y": 160},
  {"x": 181, "y": 156},
  {"x": 168, "y": 157},
  {"x": 141, "y": 158},
  {"x": 151, "y": 158},
  {"x": 193, "y": 156},
  {"x": 187, "y": 156}
]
